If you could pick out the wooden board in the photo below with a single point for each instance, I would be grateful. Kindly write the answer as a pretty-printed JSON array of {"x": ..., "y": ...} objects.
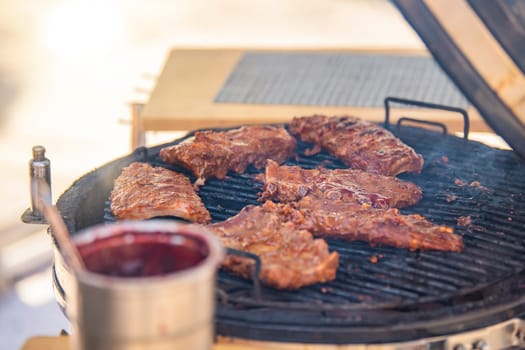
[
  {"x": 183, "y": 98},
  {"x": 62, "y": 343}
]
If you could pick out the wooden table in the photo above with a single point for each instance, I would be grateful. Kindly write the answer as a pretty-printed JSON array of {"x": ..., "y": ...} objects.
[
  {"x": 183, "y": 98},
  {"x": 62, "y": 343}
]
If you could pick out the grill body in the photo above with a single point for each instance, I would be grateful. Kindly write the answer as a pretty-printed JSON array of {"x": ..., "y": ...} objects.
[{"x": 405, "y": 295}]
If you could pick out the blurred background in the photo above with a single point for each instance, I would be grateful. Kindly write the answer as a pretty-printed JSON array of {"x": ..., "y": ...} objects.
[{"x": 69, "y": 70}]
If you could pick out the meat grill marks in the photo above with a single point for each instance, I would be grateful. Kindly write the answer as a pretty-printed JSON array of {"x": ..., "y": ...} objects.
[
  {"x": 357, "y": 143},
  {"x": 354, "y": 205},
  {"x": 214, "y": 153},
  {"x": 290, "y": 257},
  {"x": 290, "y": 183},
  {"x": 351, "y": 221},
  {"x": 142, "y": 192}
]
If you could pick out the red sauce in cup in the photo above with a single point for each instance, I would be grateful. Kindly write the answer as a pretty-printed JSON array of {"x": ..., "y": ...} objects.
[{"x": 140, "y": 254}]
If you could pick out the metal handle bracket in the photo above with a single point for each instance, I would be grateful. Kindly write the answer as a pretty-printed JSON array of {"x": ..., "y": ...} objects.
[
  {"x": 255, "y": 272},
  {"x": 464, "y": 114}
]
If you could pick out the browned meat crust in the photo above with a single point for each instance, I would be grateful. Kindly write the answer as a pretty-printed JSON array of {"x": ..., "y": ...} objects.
[
  {"x": 357, "y": 143},
  {"x": 290, "y": 257},
  {"x": 290, "y": 183},
  {"x": 142, "y": 192},
  {"x": 213, "y": 154},
  {"x": 351, "y": 221}
]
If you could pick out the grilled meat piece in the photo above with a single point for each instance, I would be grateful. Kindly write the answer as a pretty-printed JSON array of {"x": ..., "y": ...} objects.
[
  {"x": 351, "y": 221},
  {"x": 290, "y": 183},
  {"x": 290, "y": 257},
  {"x": 214, "y": 153},
  {"x": 142, "y": 192},
  {"x": 358, "y": 144}
]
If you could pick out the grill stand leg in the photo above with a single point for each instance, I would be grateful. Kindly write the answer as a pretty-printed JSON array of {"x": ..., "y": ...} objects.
[{"x": 138, "y": 135}]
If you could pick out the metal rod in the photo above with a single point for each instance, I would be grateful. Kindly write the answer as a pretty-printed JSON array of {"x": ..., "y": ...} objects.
[{"x": 58, "y": 227}]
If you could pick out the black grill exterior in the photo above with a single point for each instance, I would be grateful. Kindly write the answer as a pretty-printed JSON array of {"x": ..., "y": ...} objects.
[{"x": 404, "y": 295}]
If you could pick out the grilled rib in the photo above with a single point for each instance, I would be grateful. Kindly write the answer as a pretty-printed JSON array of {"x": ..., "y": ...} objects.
[
  {"x": 351, "y": 221},
  {"x": 285, "y": 183},
  {"x": 214, "y": 153},
  {"x": 142, "y": 192},
  {"x": 290, "y": 257},
  {"x": 357, "y": 143}
]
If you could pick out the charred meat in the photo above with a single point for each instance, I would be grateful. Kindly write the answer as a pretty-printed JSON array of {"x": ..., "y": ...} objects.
[
  {"x": 357, "y": 143},
  {"x": 285, "y": 183},
  {"x": 290, "y": 257},
  {"x": 214, "y": 153},
  {"x": 142, "y": 192}
]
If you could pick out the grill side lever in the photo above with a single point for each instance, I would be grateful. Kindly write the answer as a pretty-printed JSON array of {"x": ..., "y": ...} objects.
[{"x": 39, "y": 169}]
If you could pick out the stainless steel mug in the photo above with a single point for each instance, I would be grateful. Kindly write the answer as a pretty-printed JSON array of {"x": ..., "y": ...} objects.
[{"x": 116, "y": 308}]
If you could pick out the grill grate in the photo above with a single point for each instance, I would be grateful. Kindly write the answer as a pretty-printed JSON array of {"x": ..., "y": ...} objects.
[
  {"x": 336, "y": 79},
  {"x": 494, "y": 244},
  {"x": 402, "y": 285}
]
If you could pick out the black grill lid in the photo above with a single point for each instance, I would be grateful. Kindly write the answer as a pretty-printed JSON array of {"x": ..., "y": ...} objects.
[{"x": 481, "y": 46}]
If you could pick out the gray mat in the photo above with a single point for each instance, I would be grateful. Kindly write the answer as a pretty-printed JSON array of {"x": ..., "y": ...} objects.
[{"x": 336, "y": 79}]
